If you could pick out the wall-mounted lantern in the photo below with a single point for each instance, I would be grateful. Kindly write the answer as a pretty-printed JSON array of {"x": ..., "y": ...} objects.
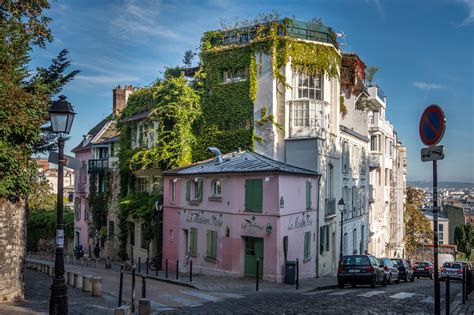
[
  {"x": 227, "y": 232},
  {"x": 269, "y": 228}
]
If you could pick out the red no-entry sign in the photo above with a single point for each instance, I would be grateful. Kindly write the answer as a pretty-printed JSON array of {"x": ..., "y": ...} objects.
[{"x": 432, "y": 125}]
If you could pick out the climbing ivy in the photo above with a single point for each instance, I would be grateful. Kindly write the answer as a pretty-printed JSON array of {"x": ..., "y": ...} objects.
[
  {"x": 98, "y": 201},
  {"x": 343, "y": 108}
]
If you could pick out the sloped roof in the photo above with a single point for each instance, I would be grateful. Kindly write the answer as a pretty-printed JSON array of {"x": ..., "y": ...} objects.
[
  {"x": 137, "y": 116},
  {"x": 110, "y": 132},
  {"x": 93, "y": 132},
  {"x": 239, "y": 162}
]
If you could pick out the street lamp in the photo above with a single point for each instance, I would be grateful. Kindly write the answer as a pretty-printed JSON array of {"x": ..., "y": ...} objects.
[
  {"x": 342, "y": 208},
  {"x": 61, "y": 115}
]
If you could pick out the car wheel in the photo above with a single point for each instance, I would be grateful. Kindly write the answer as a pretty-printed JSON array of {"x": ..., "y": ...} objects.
[
  {"x": 353, "y": 284},
  {"x": 374, "y": 282},
  {"x": 384, "y": 282},
  {"x": 431, "y": 276},
  {"x": 418, "y": 277},
  {"x": 412, "y": 279},
  {"x": 406, "y": 278},
  {"x": 389, "y": 282},
  {"x": 398, "y": 280},
  {"x": 340, "y": 285}
]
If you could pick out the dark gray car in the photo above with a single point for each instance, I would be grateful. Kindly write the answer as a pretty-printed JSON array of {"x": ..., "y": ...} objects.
[{"x": 360, "y": 269}]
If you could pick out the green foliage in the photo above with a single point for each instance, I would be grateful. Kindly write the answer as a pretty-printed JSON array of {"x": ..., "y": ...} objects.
[
  {"x": 24, "y": 99},
  {"x": 98, "y": 201},
  {"x": 42, "y": 225},
  {"x": 343, "y": 108},
  {"x": 188, "y": 58},
  {"x": 464, "y": 238},
  {"x": 417, "y": 227},
  {"x": 41, "y": 196},
  {"x": 371, "y": 71}
]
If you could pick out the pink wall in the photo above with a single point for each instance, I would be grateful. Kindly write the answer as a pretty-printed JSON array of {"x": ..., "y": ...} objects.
[
  {"x": 292, "y": 220},
  {"x": 82, "y": 193}
]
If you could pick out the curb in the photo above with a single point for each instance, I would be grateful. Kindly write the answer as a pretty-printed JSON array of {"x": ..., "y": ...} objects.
[{"x": 326, "y": 287}]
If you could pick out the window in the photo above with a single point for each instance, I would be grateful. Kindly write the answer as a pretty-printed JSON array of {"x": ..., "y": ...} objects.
[
  {"x": 102, "y": 153},
  {"x": 157, "y": 182},
  {"x": 363, "y": 162},
  {"x": 345, "y": 157},
  {"x": 308, "y": 194},
  {"x": 193, "y": 242},
  {"x": 361, "y": 247},
  {"x": 234, "y": 75},
  {"x": 355, "y": 202},
  {"x": 145, "y": 237},
  {"x": 86, "y": 210},
  {"x": 307, "y": 245},
  {"x": 330, "y": 181},
  {"x": 143, "y": 184},
  {"x": 142, "y": 136},
  {"x": 112, "y": 149},
  {"x": 253, "y": 195},
  {"x": 173, "y": 191},
  {"x": 101, "y": 185},
  {"x": 309, "y": 114},
  {"x": 354, "y": 241},
  {"x": 440, "y": 233},
  {"x": 211, "y": 244},
  {"x": 111, "y": 230},
  {"x": 373, "y": 143},
  {"x": 390, "y": 147},
  {"x": 324, "y": 238},
  {"x": 308, "y": 86},
  {"x": 216, "y": 188},
  {"x": 70, "y": 197},
  {"x": 77, "y": 209},
  {"x": 344, "y": 247},
  {"x": 197, "y": 189}
]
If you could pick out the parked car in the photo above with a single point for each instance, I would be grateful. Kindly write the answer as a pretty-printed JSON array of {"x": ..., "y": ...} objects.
[
  {"x": 423, "y": 269},
  {"x": 405, "y": 270},
  {"x": 391, "y": 271},
  {"x": 442, "y": 258},
  {"x": 465, "y": 264},
  {"x": 360, "y": 269},
  {"x": 451, "y": 269}
]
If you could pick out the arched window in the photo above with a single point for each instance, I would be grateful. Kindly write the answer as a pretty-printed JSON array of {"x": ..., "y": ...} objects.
[{"x": 216, "y": 188}]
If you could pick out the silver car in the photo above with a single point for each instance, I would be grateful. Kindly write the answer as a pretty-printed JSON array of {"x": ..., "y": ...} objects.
[{"x": 452, "y": 269}]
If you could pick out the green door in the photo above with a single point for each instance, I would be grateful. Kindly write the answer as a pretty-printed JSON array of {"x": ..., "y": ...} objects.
[{"x": 253, "y": 250}]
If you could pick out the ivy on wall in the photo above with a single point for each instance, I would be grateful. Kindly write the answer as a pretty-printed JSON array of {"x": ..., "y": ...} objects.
[
  {"x": 343, "y": 108},
  {"x": 98, "y": 201}
]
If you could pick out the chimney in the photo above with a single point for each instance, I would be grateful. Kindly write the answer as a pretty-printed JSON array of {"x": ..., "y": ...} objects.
[{"x": 120, "y": 97}]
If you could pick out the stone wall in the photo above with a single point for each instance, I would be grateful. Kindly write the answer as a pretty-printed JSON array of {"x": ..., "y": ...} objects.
[{"x": 12, "y": 249}]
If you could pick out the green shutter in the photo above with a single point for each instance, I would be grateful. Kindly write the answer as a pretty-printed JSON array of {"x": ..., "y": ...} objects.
[
  {"x": 193, "y": 242},
  {"x": 321, "y": 239},
  {"x": 200, "y": 190},
  {"x": 308, "y": 195},
  {"x": 209, "y": 244},
  {"x": 258, "y": 195},
  {"x": 307, "y": 245},
  {"x": 214, "y": 244},
  {"x": 253, "y": 195},
  {"x": 188, "y": 191}
]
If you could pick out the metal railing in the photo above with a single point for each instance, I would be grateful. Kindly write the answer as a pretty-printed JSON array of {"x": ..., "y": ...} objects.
[
  {"x": 380, "y": 94},
  {"x": 330, "y": 207},
  {"x": 98, "y": 165}
]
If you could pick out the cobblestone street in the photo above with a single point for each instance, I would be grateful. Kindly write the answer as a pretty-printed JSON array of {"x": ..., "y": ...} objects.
[{"x": 406, "y": 298}]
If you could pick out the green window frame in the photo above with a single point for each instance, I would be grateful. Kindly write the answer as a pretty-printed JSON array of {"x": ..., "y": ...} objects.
[
  {"x": 308, "y": 195},
  {"x": 193, "y": 241},
  {"x": 307, "y": 245},
  {"x": 253, "y": 195},
  {"x": 211, "y": 251},
  {"x": 188, "y": 190}
]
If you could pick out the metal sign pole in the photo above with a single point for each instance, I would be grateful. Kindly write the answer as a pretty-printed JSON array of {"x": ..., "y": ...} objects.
[{"x": 435, "y": 245}]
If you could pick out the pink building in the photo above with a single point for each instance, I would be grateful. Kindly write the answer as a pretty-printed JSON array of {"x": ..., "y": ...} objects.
[{"x": 225, "y": 213}]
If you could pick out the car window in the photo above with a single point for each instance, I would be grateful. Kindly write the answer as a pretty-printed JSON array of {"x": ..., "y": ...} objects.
[
  {"x": 374, "y": 261},
  {"x": 396, "y": 262},
  {"x": 456, "y": 266},
  {"x": 447, "y": 265},
  {"x": 387, "y": 262},
  {"x": 356, "y": 260},
  {"x": 422, "y": 264}
]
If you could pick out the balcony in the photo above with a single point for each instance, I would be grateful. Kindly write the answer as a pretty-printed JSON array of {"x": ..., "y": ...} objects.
[
  {"x": 98, "y": 165},
  {"x": 330, "y": 207},
  {"x": 376, "y": 97},
  {"x": 308, "y": 118},
  {"x": 375, "y": 160}
]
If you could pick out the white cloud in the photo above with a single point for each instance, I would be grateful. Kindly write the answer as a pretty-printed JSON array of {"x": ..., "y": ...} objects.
[
  {"x": 470, "y": 6},
  {"x": 135, "y": 18},
  {"x": 428, "y": 86}
]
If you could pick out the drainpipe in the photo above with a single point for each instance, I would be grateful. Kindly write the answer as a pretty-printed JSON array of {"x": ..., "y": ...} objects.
[{"x": 317, "y": 227}]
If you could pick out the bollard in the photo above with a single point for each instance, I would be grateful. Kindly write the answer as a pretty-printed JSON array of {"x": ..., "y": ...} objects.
[
  {"x": 139, "y": 264},
  {"x": 78, "y": 280},
  {"x": 87, "y": 283},
  {"x": 257, "y": 274},
  {"x": 463, "y": 286},
  {"x": 448, "y": 296},
  {"x": 123, "y": 310},
  {"x": 147, "y": 260},
  {"x": 144, "y": 307},
  {"x": 166, "y": 268},
  {"x": 96, "y": 286},
  {"x": 133, "y": 288},
  {"x": 121, "y": 285},
  {"x": 70, "y": 278},
  {"x": 177, "y": 269},
  {"x": 52, "y": 272},
  {"x": 297, "y": 274},
  {"x": 143, "y": 287},
  {"x": 156, "y": 268},
  {"x": 190, "y": 271},
  {"x": 467, "y": 286}
]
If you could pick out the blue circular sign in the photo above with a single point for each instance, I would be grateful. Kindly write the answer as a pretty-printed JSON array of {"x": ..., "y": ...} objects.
[{"x": 432, "y": 125}]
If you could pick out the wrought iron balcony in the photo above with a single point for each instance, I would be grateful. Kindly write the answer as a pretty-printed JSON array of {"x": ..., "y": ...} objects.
[
  {"x": 98, "y": 165},
  {"x": 330, "y": 207}
]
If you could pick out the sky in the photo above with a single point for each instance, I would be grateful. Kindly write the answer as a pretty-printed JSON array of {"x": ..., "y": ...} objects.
[{"x": 423, "y": 49}]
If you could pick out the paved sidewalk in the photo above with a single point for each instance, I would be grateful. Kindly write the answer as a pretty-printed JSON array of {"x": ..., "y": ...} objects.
[
  {"x": 236, "y": 285},
  {"x": 462, "y": 309},
  {"x": 37, "y": 294}
]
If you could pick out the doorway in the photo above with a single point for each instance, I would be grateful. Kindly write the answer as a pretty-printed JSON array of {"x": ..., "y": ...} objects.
[{"x": 253, "y": 250}]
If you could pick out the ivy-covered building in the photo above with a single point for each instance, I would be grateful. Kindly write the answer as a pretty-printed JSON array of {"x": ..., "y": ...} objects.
[{"x": 274, "y": 88}]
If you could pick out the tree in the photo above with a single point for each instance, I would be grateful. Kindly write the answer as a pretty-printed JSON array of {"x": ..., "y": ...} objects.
[
  {"x": 41, "y": 196},
  {"x": 417, "y": 227},
  {"x": 464, "y": 239},
  {"x": 188, "y": 58},
  {"x": 371, "y": 71}
]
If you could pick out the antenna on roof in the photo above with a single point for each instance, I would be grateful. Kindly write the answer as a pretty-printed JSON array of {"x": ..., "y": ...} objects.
[{"x": 343, "y": 36}]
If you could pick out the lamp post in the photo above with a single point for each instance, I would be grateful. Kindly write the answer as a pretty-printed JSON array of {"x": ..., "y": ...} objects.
[
  {"x": 342, "y": 208},
  {"x": 61, "y": 115}
]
